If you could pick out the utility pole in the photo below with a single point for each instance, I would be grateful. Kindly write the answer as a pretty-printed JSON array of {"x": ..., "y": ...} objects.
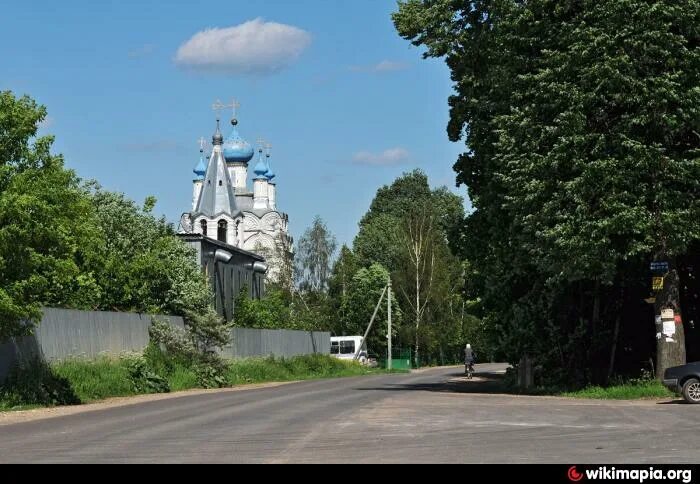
[
  {"x": 388, "y": 333},
  {"x": 369, "y": 326}
]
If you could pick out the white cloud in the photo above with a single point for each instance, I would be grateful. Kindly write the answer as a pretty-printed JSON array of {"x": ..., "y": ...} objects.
[
  {"x": 255, "y": 47},
  {"x": 143, "y": 51},
  {"x": 381, "y": 67},
  {"x": 392, "y": 156}
]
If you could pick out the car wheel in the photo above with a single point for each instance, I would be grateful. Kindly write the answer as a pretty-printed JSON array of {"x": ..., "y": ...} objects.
[{"x": 691, "y": 391}]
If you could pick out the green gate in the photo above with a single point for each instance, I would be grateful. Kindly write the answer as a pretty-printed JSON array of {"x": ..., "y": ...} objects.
[{"x": 400, "y": 359}]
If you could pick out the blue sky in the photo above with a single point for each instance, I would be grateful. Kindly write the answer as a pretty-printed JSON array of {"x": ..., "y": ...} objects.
[{"x": 346, "y": 103}]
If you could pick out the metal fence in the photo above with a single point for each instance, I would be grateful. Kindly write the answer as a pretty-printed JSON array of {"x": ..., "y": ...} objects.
[
  {"x": 277, "y": 342},
  {"x": 66, "y": 333}
]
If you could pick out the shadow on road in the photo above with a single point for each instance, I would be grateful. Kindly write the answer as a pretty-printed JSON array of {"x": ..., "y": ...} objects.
[{"x": 483, "y": 382}]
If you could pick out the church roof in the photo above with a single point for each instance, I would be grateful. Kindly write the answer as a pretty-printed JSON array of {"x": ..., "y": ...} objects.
[
  {"x": 261, "y": 167},
  {"x": 217, "y": 196},
  {"x": 201, "y": 169},
  {"x": 269, "y": 174}
]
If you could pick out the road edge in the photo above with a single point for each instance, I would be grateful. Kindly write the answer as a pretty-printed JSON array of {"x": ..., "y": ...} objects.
[{"x": 10, "y": 417}]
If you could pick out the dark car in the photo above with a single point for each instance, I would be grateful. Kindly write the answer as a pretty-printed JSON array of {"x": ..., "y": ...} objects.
[{"x": 685, "y": 380}]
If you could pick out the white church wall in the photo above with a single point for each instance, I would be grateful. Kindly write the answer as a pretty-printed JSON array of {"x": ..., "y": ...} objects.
[
  {"x": 238, "y": 172},
  {"x": 232, "y": 237},
  {"x": 196, "y": 190}
]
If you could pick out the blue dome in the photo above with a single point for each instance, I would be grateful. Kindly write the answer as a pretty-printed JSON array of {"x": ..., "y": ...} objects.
[
  {"x": 260, "y": 167},
  {"x": 270, "y": 174},
  {"x": 236, "y": 149},
  {"x": 201, "y": 169}
]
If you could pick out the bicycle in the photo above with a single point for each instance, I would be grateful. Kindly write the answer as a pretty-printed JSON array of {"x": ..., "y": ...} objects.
[{"x": 469, "y": 370}]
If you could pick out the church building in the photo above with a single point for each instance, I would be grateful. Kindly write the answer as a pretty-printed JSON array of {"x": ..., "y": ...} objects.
[{"x": 226, "y": 210}]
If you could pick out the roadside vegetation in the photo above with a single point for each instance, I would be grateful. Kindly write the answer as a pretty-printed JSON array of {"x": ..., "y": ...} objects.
[
  {"x": 632, "y": 390},
  {"x": 77, "y": 381},
  {"x": 625, "y": 391},
  {"x": 645, "y": 386}
]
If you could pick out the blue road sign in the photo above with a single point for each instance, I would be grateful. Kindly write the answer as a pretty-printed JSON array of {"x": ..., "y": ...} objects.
[{"x": 659, "y": 266}]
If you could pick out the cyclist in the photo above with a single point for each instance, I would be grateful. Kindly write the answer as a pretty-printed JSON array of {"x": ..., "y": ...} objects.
[{"x": 469, "y": 359}]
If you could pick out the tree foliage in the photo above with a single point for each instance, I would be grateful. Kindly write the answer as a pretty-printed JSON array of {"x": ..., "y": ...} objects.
[
  {"x": 48, "y": 228},
  {"x": 314, "y": 256},
  {"x": 344, "y": 269},
  {"x": 74, "y": 245},
  {"x": 282, "y": 309},
  {"x": 413, "y": 231},
  {"x": 581, "y": 124},
  {"x": 143, "y": 266},
  {"x": 360, "y": 301}
]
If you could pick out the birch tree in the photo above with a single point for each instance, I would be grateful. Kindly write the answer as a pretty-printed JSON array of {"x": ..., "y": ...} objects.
[{"x": 418, "y": 249}]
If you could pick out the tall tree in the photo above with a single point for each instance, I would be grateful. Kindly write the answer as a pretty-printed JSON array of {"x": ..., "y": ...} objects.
[
  {"x": 344, "y": 269},
  {"x": 420, "y": 241},
  {"x": 280, "y": 259},
  {"x": 362, "y": 297},
  {"x": 314, "y": 257},
  {"x": 407, "y": 228},
  {"x": 48, "y": 227},
  {"x": 142, "y": 265},
  {"x": 67, "y": 244},
  {"x": 581, "y": 122},
  {"x": 378, "y": 239}
]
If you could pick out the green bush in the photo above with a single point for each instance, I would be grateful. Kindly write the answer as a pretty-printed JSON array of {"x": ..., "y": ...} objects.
[
  {"x": 163, "y": 362},
  {"x": 144, "y": 379},
  {"x": 194, "y": 348},
  {"x": 35, "y": 383},
  {"x": 210, "y": 374}
]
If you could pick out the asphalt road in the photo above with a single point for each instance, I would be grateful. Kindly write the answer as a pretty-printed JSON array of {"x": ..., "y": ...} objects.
[{"x": 429, "y": 416}]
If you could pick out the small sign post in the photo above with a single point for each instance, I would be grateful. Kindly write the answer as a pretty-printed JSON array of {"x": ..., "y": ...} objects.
[{"x": 657, "y": 283}]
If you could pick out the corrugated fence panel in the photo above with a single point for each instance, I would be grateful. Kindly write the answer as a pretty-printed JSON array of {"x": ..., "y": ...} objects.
[
  {"x": 248, "y": 343},
  {"x": 65, "y": 333}
]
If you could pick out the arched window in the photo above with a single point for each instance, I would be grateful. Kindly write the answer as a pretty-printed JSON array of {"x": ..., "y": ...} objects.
[
  {"x": 223, "y": 228},
  {"x": 203, "y": 224}
]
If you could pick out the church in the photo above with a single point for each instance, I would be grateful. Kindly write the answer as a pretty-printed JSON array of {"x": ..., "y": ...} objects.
[{"x": 226, "y": 210}]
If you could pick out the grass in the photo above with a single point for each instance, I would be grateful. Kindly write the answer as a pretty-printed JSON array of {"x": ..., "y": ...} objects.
[
  {"x": 182, "y": 378},
  {"x": 6, "y": 406},
  {"x": 93, "y": 380},
  {"x": 258, "y": 370},
  {"x": 77, "y": 381},
  {"x": 627, "y": 391}
]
